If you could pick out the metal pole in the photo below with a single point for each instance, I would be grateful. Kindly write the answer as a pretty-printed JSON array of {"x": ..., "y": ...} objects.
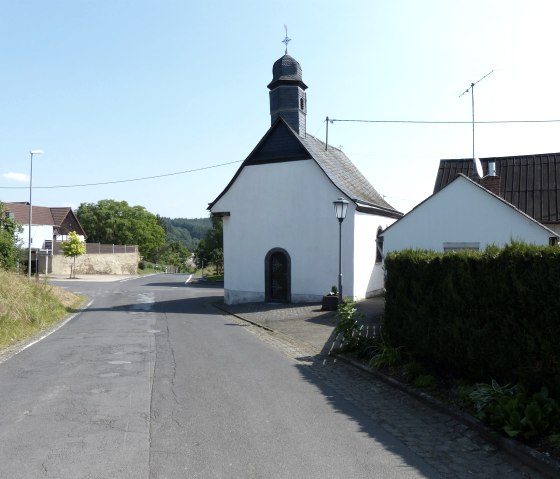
[
  {"x": 327, "y": 137},
  {"x": 472, "y": 108},
  {"x": 340, "y": 260},
  {"x": 30, "y": 216}
]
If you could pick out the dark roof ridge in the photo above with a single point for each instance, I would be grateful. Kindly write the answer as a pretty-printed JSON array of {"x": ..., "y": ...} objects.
[
  {"x": 529, "y": 182},
  {"x": 335, "y": 164}
]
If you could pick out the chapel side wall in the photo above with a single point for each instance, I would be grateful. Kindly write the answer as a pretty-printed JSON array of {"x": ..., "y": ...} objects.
[
  {"x": 369, "y": 277},
  {"x": 462, "y": 213},
  {"x": 286, "y": 205}
]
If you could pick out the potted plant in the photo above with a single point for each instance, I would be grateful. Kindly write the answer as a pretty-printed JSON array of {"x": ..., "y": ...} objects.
[{"x": 330, "y": 300}]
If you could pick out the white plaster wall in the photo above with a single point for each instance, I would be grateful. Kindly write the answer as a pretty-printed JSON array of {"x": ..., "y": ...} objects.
[
  {"x": 284, "y": 205},
  {"x": 368, "y": 276},
  {"x": 462, "y": 212},
  {"x": 65, "y": 238},
  {"x": 39, "y": 234}
]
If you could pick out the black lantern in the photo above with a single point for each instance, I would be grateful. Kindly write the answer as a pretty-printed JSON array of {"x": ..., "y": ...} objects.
[{"x": 340, "y": 208}]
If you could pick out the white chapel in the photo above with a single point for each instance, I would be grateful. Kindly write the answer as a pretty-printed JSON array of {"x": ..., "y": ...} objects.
[{"x": 281, "y": 236}]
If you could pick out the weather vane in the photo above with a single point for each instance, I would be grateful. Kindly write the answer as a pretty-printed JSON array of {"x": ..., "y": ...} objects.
[{"x": 286, "y": 39}]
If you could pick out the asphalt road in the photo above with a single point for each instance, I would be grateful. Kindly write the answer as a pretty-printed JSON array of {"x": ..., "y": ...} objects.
[{"x": 151, "y": 381}]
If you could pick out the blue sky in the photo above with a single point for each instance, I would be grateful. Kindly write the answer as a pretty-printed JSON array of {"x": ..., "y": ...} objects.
[{"x": 121, "y": 89}]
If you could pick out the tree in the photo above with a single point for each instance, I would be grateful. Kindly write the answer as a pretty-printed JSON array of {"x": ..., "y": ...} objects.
[
  {"x": 174, "y": 253},
  {"x": 116, "y": 222},
  {"x": 73, "y": 248},
  {"x": 217, "y": 257},
  {"x": 211, "y": 248},
  {"x": 9, "y": 251}
]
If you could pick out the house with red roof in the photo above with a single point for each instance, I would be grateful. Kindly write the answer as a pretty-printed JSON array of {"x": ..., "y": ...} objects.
[{"x": 49, "y": 225}]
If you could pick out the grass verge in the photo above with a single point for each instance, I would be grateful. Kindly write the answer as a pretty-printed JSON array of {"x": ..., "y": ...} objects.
[{"x": 28, "y": 307}]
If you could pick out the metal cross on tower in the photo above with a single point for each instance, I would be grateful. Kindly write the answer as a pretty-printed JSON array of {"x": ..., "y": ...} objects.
[{"x": 286, "y": 39}]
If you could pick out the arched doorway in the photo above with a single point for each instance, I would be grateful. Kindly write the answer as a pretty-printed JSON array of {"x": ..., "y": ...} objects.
[{"x": 277, "y": 275}]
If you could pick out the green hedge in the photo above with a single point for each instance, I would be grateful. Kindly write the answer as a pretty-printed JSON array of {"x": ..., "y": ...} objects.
[{"x": 485, "y": 315}]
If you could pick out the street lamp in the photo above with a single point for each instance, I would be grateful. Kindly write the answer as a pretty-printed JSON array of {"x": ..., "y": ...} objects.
[
  {"x": 31, "y": 153},
  {"x": 340, "y": 207}
]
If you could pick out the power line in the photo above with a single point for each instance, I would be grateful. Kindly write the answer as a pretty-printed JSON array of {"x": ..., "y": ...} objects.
[
  {"x": 124, "y": 181},
  {"x": 332, "y": 120}
]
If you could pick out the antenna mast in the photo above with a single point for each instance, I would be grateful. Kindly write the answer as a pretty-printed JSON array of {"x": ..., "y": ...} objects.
[{"x": 471, "y": 88}]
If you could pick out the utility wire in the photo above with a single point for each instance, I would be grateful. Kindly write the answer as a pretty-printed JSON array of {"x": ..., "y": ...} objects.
[
  {"x": 332, "y": 120},
  {"x": 124, "y": 181}
]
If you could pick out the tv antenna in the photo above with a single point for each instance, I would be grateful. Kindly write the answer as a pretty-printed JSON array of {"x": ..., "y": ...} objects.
[{"x": 471, "y": 89}]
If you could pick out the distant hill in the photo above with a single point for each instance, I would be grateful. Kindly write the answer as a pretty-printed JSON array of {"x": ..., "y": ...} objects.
[{"x": 186, "y": 231}]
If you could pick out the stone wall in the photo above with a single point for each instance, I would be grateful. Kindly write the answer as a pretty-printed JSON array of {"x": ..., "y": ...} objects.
[{"x": 118, "y": 263}]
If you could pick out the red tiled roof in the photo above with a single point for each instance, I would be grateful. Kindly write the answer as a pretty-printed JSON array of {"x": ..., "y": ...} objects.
[{"x": 41, "y": 214}]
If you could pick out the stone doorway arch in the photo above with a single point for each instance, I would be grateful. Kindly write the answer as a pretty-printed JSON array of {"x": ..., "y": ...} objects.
[{"x": 278, "y": 270}]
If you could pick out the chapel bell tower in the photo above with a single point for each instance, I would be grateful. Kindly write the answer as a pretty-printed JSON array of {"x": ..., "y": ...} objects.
[{"x": 287, "y": 93}]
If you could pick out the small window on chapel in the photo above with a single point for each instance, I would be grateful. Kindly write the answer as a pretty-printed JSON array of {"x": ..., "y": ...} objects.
[
  {"x": 379, "y": 246},
  {"x": 301, "y": 103}
]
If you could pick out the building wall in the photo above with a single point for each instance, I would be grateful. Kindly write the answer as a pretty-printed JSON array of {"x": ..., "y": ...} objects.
[
  {"x": 554, "y": 227},
  {"x": 462, "y": 213},
  {"x": 284, "y": 205},
  {"x": 369, "y": 277},
  {"x": 39, "y": 234}
]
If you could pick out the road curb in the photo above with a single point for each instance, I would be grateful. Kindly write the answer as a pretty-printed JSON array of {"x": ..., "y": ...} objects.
[{"x": 254, "y": 323}]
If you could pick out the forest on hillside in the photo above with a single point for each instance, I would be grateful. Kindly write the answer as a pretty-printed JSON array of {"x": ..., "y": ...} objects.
[{"x": 187, "y": 232}]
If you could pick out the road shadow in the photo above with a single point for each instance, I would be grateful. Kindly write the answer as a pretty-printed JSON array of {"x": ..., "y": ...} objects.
[
  {"x": 175, "y": 284},
  {"x": 343, "y": 396},
  {"x": 201, "y": 305}
]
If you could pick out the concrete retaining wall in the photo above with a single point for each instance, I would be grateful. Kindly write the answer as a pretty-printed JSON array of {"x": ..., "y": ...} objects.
[{"x": 118, "y": 263}]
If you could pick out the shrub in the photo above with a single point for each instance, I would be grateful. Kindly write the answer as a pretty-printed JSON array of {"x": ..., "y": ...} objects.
[
  {"x": 479, "y": 315},
  {"x": 514, "y": 411},
  {"x": 425, "y": 381},
  {"x": 412, "y": 370},
  {"x": 386, "y": 356},
  {"x": 348, "y": 318}
]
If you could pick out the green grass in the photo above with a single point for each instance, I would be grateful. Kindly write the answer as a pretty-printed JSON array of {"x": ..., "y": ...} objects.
[
  {"x": 215, "y": 277},
  {"x": 28, "y": 307}
]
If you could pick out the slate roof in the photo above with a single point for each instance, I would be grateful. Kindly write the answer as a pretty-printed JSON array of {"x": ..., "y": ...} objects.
[
  {"x": 531, "y": 183},
  {"x": 281, "y": 144},
  {"x": 286, "y": 69}
]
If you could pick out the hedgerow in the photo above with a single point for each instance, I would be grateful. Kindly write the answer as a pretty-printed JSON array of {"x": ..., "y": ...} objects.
[{"x": 494, "y": 314}]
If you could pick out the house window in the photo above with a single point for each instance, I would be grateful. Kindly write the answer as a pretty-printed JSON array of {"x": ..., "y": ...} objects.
[
  {"x": 379, "y": 246},
  {"x": 449, "y": 247}
]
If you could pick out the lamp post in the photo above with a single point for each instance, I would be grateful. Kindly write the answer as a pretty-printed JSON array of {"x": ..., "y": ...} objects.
[
  {"x": 31, "y": 153},
  {"x": 340, "y": 207}
]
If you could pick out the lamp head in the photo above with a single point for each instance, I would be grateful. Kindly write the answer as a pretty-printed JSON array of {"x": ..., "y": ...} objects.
[
  {"x": 36, "y": 152},
  {"x": 340, "y": 207}
]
